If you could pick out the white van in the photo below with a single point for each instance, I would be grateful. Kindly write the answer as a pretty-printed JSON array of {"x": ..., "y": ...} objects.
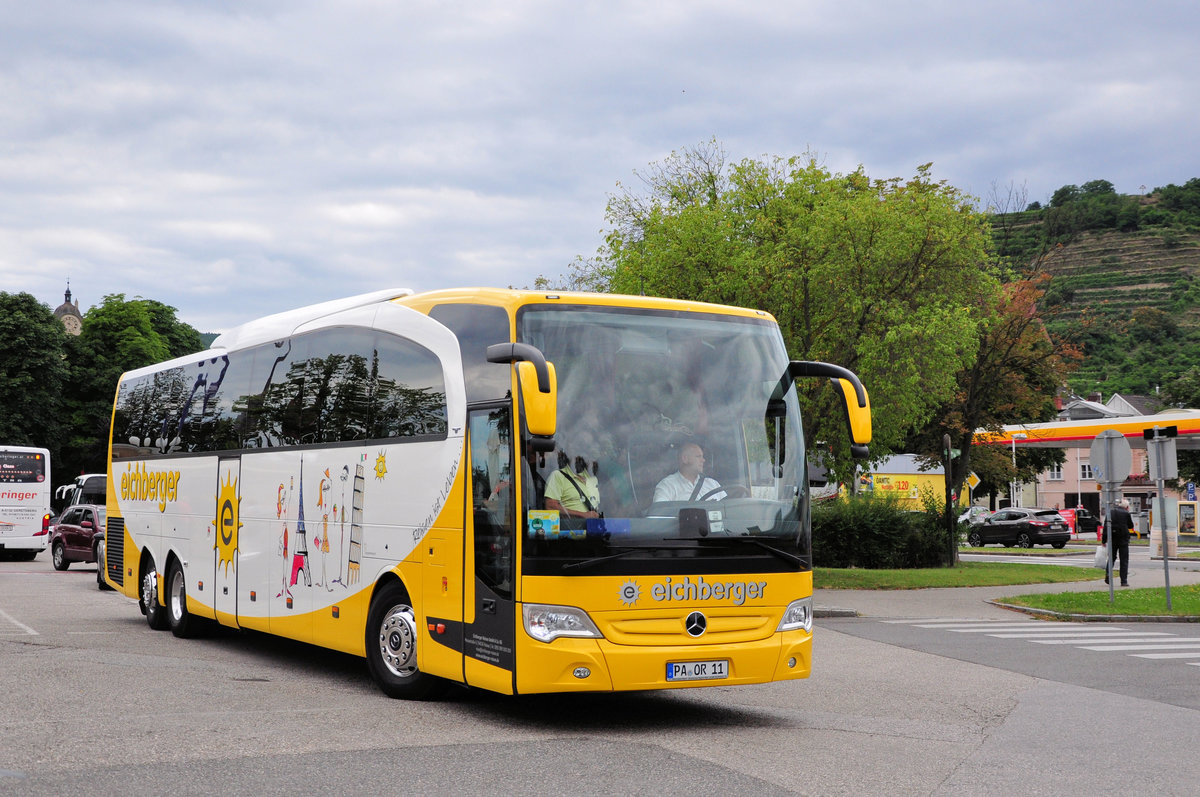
[{"x": 24, "y": 501}]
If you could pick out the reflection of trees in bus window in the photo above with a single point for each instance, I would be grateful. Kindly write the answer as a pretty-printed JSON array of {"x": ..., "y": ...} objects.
[
  {"x": 409, "y": 397},
  {"x": 324, "y": 387},
  {"x": 227, "y": 380},
  {"x": 279, "y": 422},
  {"x": 148, "y": 411}
]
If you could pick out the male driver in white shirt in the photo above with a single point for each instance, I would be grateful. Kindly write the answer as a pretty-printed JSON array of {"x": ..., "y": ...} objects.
[{"x": 689, "y": 482}]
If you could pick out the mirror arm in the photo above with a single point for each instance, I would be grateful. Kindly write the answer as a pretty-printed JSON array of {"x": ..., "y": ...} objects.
[{"x": 511, "y": 352}]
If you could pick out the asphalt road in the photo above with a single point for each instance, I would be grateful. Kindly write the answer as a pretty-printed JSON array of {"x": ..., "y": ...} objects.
[{"x": 95, "y": 702}]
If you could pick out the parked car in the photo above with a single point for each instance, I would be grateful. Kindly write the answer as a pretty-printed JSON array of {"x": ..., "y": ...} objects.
[
  {"x": 1023, "y": 527},
  {"x": 974, "y": 514},
  {"x": 1081, "y": 522},
  {"x": 73, "y": 538}
]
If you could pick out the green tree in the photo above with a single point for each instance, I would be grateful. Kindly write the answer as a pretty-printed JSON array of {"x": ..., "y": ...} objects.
[
  {"x": 118, "y": 335},
  {"x": 32, "y": 373},
  {"x": 1013, "y": 379},
  {"x": 880, "y": 276}
]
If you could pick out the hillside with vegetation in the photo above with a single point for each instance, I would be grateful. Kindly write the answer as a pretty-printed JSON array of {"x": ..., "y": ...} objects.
[{"x": 1123, "y": 280}]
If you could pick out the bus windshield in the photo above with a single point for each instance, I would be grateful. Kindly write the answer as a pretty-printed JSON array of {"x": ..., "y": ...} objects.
[{"x": 679, "y": 443}]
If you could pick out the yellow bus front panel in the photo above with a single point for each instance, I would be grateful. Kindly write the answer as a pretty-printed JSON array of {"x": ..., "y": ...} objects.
[{"x": 641, "y": 645}]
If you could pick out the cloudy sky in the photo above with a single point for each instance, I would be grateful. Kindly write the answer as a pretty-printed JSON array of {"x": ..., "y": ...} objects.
[{"x": 238, "y": 158}]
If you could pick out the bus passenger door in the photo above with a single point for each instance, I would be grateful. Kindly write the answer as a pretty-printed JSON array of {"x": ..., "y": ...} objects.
[
  {"x": 489, "y": 609},
  {"x": 227, "y": 520}
]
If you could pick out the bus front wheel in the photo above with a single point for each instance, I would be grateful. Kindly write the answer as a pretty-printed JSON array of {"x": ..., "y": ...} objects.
[{"x": 391, "y": 638}]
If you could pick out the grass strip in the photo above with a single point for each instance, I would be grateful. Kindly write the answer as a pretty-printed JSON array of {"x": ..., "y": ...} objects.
[
  {"x": 1147, "y": 602},
  {"x": 965, "y": 574}
]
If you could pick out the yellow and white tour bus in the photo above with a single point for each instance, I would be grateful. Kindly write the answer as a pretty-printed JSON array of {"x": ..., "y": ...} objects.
[
  {"x": 24, "y": 501},
  {"x": 370, "y": 474}
]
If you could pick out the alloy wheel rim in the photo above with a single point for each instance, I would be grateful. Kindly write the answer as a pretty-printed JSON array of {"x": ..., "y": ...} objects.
[
  {"x": 148, "y": 590},
  {"x": 398, "y": 641},
  {"x": 178, "y": 595}
]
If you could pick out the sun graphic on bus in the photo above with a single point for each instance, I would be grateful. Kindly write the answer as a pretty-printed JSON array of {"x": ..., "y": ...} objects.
[
  {"x": 228, "y": 522},
  {"x": 380, "y": 466},
  {"x": 630, "y": 592}
]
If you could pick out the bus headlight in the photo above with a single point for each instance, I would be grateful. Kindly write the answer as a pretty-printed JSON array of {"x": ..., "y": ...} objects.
[
  {"x": 547, "y": 623},
  {"x": 797, "y": 615}
]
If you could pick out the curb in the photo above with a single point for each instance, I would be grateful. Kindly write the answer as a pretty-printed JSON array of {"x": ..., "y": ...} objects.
[
  {"x": 1096, "y": 618},
  {"x": 833, "y": 611}
]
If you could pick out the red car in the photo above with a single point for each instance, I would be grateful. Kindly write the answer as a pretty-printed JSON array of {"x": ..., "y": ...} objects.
[
  {"x": 74, "y": 537},
  {"x": 1081, "y": 522}
]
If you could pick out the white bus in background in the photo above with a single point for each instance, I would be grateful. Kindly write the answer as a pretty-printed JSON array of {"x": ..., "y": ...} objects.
[
  {"x": 88, "y": 488},
  {"x": 24, "y": 501}
]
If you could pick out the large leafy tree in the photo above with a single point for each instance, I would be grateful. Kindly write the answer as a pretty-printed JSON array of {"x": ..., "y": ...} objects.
[
  {"x": 32, "y": 373},
  {"x": 118, "y": 335},
  {"x": 881, "y": 276},
  {"x": 1012, "y": 379}
]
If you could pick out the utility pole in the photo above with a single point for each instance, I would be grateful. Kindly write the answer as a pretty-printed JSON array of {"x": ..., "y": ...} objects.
[
  {"x": 1163, "y": 466},
  {"x": 951, "y": 524}
]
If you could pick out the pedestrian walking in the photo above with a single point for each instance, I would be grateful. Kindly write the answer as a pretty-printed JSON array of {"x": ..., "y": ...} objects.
[{"x": 1120, "y": 525}]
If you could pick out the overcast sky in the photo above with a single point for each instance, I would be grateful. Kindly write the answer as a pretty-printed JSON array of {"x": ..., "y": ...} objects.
[{"x": 233, "y": 159}]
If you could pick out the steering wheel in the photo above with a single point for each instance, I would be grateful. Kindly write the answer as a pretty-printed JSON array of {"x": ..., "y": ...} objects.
[{"x": 731, "y": 491}]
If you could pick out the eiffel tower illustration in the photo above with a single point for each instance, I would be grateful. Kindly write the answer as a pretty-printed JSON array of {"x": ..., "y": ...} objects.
[{"x": 300, "y": 560}]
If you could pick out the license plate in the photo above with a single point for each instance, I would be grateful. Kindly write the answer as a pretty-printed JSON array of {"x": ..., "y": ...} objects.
[{"x": 697, "y": 670}]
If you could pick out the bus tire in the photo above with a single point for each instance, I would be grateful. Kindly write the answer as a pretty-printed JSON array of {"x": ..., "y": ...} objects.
[
  {"x": 183, "y": 624},
  {"x": 156, "y": 613},
  {"x": 101, "y": 564},
  {"x": 58, "y": 556},
  {"x": 391, "y": 640}
]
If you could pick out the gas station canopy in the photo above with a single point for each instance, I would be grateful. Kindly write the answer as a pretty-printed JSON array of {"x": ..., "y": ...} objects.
[{"x": 1080, "y": 434}]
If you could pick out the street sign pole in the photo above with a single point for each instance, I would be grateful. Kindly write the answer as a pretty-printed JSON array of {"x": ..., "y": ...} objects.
[{"x": 1160, "y": 439}]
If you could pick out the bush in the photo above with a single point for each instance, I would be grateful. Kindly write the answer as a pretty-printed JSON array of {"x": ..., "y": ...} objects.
[{"x": 876, "y": 531}]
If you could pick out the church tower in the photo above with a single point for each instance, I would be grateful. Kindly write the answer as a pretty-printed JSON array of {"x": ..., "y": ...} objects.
[{"x": 69, "y": 314}]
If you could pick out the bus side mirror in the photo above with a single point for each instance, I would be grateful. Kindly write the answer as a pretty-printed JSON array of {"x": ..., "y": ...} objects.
[
  {"x": 541, "y": 409},
  {"x": 538, "y": 386},
  {"x": 854, "y": 399}
]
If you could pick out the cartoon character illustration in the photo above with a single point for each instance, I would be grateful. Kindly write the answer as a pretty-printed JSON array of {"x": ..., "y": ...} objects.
[
  {"x": 323, "y": 537},
  {"x": 283, "y": 508},
  {"x": 341, "y": 519}
]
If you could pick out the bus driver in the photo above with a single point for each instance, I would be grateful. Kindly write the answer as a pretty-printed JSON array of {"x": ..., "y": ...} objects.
[{"x": 689, "y": 482}]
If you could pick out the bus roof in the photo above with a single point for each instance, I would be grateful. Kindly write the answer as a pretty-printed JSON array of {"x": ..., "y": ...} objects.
[
  {"x": 280, "y": 325},
  {"x": 510, "y": 298}
]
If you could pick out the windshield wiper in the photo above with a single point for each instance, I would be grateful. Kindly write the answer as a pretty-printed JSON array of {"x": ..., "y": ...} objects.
[
  {"x": 784, "y": 555},
  {"x": 627, "y": 550}
]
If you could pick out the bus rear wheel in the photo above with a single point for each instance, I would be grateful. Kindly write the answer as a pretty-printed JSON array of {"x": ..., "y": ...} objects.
[
  {"x": 183, "y": 624},
  {"x": 156, "y": 613},
  {"x": 391, "y": 639},
  {"x": 101, "y": 565}
]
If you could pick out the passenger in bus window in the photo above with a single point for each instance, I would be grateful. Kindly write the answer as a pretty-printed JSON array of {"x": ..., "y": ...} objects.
[
  {"x": 689, "y": 482},
  {"x": 573, "y": 491}
]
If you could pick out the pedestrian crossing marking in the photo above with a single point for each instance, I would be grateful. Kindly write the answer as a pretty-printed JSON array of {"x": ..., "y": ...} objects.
[
  {"x": 1082, "y": 635},
  {"x": 1101, "y": 635},
  {"x": 1194, "y": 643}
]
